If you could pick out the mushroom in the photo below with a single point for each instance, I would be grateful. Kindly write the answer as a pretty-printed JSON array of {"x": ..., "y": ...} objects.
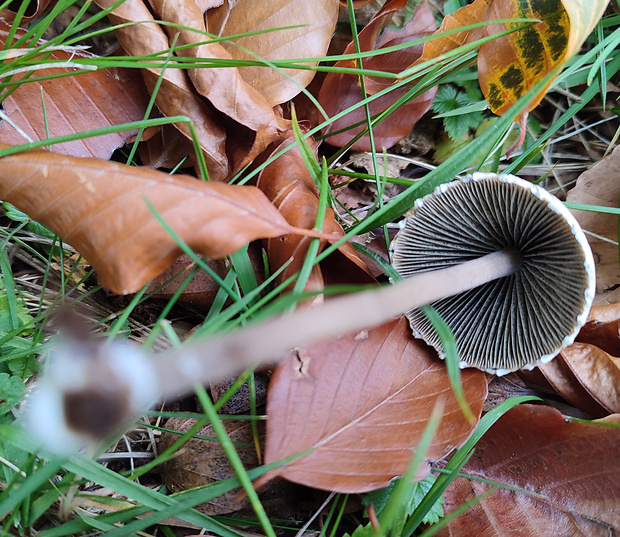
[
  {"x": 519, "y": 320},
  {"x": 504, "y": 263}
]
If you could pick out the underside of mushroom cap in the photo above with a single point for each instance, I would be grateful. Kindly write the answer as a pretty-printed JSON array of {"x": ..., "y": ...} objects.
[{"x": 522, "y": 319}]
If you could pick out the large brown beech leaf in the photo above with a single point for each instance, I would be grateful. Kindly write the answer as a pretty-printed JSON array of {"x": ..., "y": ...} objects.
[
  {"x": 101, "y": 209},
  {"x": 73, "y": 104},
  {"x": 572, "y": 466},
  {"x": 315, "y": 23},
  {"x": 176, "y": 96},
  {"x": 290, "y": 187},
  {"x": 340, "y": 91},
  {"x": 360, "y": 403}
]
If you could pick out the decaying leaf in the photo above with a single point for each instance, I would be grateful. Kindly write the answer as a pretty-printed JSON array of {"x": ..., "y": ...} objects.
[
  {"x": 101, "y": 209},
  {"x": 511, "y": 65},
  {"x": 583, "y": 16},
  {"x": 35, "y": 9},
  {"x": 72, "y": 104},
  {"x": 224, "y": 87},
  {"x": 315, "y": 23},
  {"x": 176, "y": 96},
  {"x": 290, "y": 187},
  {"x": 341, "y": 91},
  {"x": 202, "y": 461},
  {"x": 360, "y": 403},
  {"x": 600, "y": 186},
  {"x": 570, "y": 472},
  {"x": 587, "y": 373},
  {"x": 465, "y": 16}
]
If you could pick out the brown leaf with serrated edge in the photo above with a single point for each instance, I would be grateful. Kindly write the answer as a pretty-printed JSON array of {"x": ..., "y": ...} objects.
[
  {"x": 290, "y": 187},
  {"x": 341, "y": 91},
  {"x": 361, "y": 403},
  {"x": 73, "y": 104},
  {"x": 600, "y": 186},
  {"x": 101, "y": 209},
  {"x": 315, "y": 23},
  {"x": 571, "y": 470},
  {"x": 176, "y": 96}
]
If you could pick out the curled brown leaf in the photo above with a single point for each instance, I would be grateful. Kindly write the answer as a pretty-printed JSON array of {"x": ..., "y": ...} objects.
[{"x": 290, "y": 187}]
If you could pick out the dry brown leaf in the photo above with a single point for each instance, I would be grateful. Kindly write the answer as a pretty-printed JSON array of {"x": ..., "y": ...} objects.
[
  {"x": 600, "y": 186},
  {"x": 315, "y": 20},
  {"x": 201, "y": 290},
  {"x": 511, "y": 65},
  {"x": 561, "y": 379},
  {"x": 201, "y": 461},
  {"x": 176, "y": 96},
  {"x": 467, "y": 15},
  {"x": 290, "y": 187},
  {"x": 35, "y": 9},
  {"x": 73, "y": 104},
  {"x": 360, "y": 403},
  {"x": 605, "y": 313},
  {"x": 604, "y": 334},
  {"x": 587, "y": 373},
  {"x": 166, "y": 149},
  {"x": 597, "y": 371},
  {"x": 340, "y": 91},
  {"x": 593, "y": 362},
  {"x": 224, "y": 87},
  {"x": 574, "y": 466},
  {"x": 100, "y": 208}
]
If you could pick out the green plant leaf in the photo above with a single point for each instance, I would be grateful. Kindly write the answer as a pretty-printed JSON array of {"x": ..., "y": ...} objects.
[
  {"x": 448, "y": 99},
  {"x": 11, "y": 391},
  {"x": 378, "y": 498}
]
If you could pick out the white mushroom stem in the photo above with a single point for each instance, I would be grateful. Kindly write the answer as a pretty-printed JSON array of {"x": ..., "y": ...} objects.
[
  {"x": 179, "y": 369},
  {"x": 122, "y": 381}
]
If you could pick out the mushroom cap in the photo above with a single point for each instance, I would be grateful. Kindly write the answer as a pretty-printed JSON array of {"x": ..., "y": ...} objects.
[{"x": 522, "y": 319}]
